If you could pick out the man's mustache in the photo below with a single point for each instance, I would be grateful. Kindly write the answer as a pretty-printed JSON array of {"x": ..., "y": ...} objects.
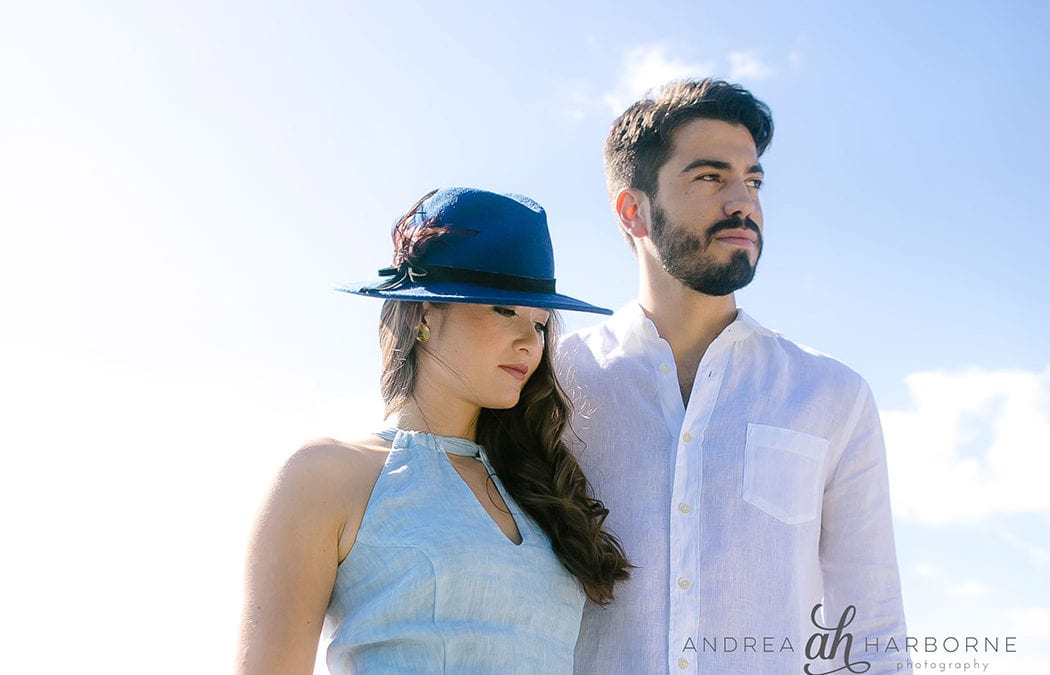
[{"x": 734, "y": 224}]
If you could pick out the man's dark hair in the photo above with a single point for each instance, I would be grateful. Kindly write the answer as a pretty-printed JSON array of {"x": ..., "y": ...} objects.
[{"x": 640, "y": 140}]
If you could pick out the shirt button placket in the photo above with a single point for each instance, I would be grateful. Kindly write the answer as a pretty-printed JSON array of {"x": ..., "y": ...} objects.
[{"x": 683, "y": 585}]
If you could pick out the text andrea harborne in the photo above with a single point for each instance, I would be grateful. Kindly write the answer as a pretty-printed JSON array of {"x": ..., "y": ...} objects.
[{"x": 833, "y": 648}]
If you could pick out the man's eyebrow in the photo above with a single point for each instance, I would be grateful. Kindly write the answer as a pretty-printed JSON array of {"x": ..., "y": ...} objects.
[{"x": 718, "y": 164}]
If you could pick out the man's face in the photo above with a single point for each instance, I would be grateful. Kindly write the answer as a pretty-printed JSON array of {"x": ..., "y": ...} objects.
[{"x": 706, "y": 221}]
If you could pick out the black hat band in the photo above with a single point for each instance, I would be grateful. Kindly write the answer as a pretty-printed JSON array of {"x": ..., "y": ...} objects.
[{"x": 506, "y": 282}]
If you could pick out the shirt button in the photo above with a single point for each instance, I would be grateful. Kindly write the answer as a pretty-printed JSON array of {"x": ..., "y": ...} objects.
[
  {"x": 684, "y": 508},
  {"x": 687, "y": 437},
  {"x": 683, "y": 663},
  {"x": 664, "y": 368},
  {"x": 684, "y": 584}
]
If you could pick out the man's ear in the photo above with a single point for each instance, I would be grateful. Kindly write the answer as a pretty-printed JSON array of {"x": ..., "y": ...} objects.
[{"x": 632, "y": 211}]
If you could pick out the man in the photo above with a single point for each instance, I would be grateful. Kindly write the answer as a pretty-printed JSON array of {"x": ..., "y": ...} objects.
[{"x": 745, "y": 475}]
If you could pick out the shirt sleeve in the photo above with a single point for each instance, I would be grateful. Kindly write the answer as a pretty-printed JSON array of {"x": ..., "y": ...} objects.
[{"x": 857, "y": 554}]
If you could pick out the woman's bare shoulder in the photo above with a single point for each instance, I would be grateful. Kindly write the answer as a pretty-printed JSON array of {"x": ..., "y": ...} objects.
[
  {"x": 332, "y": 450},
  {"x": 327, "y": 461},
  {"x": 338, "y": 478}
]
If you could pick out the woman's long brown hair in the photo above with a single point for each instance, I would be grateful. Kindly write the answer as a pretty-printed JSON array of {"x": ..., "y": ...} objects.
[
  {"x": 526, "y": 447},
  {"x": 525, "y": 444}
]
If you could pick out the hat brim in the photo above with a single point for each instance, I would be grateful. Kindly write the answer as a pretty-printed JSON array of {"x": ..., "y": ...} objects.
[{"x": 448, "y": 291}]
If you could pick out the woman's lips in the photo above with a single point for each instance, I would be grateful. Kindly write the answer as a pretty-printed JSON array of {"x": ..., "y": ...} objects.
[{"x": 516, "y": 371}]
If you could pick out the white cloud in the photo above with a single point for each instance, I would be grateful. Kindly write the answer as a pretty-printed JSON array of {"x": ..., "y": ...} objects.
[
  {"x": 1038, "y": 554},
  {"x": 975, "y": 444},
  {"x": 926, "y": 570},
  {"x": 1033, "y": 622},
  {"x": 747, "y": 66},
  {"x": 647, "y": 68},
  {"x": 967, "y": 590},
  {"x": 1026, "y": 627}
]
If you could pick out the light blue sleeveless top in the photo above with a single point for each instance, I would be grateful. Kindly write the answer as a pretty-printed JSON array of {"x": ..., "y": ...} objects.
[{"x": 432, "y": 585}]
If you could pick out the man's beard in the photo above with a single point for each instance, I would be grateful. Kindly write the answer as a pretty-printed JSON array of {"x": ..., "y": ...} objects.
[{"x": 684, "y": 256}]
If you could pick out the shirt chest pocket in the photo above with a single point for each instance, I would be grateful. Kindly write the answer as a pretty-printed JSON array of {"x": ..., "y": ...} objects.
[{"x": 784, "y": 472}]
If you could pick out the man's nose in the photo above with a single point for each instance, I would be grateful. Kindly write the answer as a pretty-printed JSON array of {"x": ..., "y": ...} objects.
[{"x": 741, "y": 202}]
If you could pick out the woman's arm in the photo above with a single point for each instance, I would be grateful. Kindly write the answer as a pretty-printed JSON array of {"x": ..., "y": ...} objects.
[{"x": 293, "y": 557}]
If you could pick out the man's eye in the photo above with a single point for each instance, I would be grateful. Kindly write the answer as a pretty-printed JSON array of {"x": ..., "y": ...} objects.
[
  {"x": 755, "y": 183},
  {"x": 709, "y": 177}
]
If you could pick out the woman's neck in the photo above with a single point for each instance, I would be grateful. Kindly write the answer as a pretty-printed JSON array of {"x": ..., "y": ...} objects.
[{"x": 438, "y": 418}]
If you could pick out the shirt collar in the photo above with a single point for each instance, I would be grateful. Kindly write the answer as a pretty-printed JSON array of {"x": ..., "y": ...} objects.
[{"x": 634, "y": 330}]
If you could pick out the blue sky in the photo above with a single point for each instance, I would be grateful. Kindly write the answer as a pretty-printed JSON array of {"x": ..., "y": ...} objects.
[{"x": 181, "y": 185}]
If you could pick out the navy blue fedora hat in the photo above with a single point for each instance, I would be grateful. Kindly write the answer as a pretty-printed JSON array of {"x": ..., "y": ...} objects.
[{"x": 473, "y": 246}]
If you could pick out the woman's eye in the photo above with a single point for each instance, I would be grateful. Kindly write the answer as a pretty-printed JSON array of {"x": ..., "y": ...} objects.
[
  {"x": 540, "y": 327},
  {"x": 505, "y": 311}
]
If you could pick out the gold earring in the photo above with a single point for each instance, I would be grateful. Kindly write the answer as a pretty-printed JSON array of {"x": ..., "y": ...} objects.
[{"x": 423, "y": 334}]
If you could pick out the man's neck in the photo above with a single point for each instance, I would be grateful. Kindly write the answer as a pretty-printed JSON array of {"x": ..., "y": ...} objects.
[{"x": 689, "y": 321}]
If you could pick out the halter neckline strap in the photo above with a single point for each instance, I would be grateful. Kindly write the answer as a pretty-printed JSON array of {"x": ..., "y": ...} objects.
[{"x": 450, "y": 445}]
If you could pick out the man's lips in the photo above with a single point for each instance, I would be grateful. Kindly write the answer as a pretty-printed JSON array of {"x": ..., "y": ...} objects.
[
  {"x": 516, "y": 370},
  {"x": 738, "y": 237}
]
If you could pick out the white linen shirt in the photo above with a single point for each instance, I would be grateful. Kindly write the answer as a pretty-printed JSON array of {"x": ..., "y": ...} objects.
[{"x": 767, "y": 495}]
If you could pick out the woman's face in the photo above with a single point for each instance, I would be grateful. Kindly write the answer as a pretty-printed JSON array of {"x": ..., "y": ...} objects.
[{"x": 480, "y": 355}]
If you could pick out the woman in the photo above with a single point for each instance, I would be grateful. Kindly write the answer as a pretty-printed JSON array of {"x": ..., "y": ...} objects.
[{"x": 464, "y": 538}]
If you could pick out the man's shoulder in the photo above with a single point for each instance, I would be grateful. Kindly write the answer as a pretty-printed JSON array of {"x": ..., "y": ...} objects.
[
  {"x": 588, "y": 343},
  {"x": 805, "y": 359}
]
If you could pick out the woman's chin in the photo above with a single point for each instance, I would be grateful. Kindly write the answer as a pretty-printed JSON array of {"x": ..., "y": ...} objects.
[{"x": 503, "y": 403}]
